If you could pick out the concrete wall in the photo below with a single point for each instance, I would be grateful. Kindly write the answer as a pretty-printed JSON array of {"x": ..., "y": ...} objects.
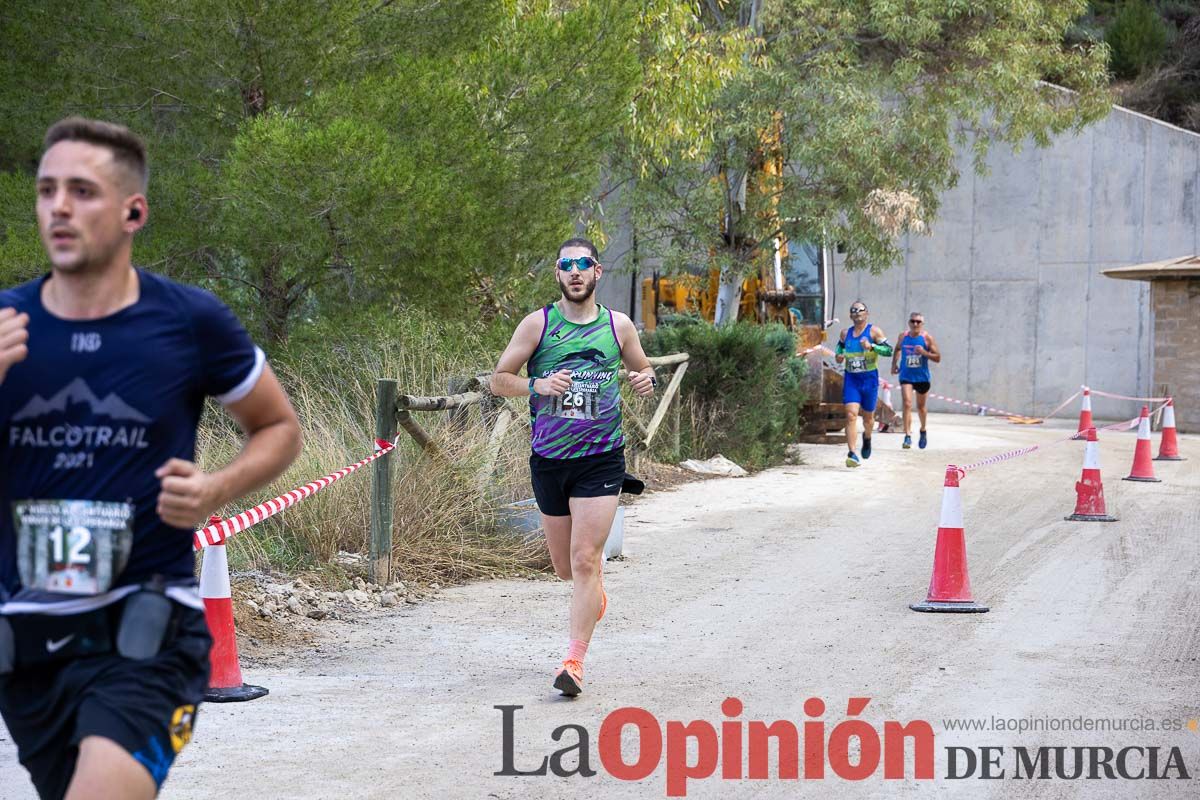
[{"x": 1009, "y": 280}]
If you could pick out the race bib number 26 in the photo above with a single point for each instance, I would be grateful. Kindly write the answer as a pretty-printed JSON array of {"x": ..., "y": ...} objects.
[
  {"x": 72, "y": 546},
  {"x": 575, "y": 404}
]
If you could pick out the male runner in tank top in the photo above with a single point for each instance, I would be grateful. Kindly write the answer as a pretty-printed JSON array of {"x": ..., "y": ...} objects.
[
  {"x": 859, "y": 347},
  {"x": 574, "y": 350},
  {"x": 104, "y": 369},
  {"x": 911, "y": 362}
]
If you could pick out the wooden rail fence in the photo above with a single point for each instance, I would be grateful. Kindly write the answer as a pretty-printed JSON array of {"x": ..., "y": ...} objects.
[{"x": 394, "y": 411}]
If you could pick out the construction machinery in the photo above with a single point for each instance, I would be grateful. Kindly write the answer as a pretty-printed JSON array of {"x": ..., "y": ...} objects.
[{"x": 793, "y": 286}]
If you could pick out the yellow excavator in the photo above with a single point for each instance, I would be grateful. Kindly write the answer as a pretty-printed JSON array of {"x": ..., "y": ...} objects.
[
  {"x": 769, "y": 297},
  {"x": 765, "y": 297}
]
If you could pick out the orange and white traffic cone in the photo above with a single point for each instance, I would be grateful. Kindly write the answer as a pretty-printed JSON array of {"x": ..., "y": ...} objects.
[
  {"x": 1089, "y": 489},
  {"x": 1168, "y": 446},
  {"x": 1143, "y": 464},
  {"x": 1085, "y": 411},
  {"x": 950, "y": 586},
  {"x": 225, "y": 681}
]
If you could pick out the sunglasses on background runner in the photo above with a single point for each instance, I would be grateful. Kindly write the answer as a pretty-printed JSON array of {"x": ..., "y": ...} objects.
[
  {"x": 857, "y": 310},
  {"x": 581, "y": 263},
  {"x": 916, "y": 322}
]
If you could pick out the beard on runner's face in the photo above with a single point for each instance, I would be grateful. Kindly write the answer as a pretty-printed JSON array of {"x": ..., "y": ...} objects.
[{"x": 576, "y": 288}]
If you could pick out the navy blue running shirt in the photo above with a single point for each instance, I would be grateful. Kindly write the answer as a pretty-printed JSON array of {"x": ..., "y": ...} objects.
[{"x": 99, "y": 405}]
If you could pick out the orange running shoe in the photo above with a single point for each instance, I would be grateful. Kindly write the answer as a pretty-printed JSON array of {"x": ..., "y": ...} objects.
[
  {"x": 569, "y": 678},
  {"x": 603, "y": 598}
]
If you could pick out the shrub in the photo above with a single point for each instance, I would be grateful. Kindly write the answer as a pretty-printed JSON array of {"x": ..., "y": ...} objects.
[
  {"x": 1137, "y": 39},
  {"x": 742, "y": 389}
]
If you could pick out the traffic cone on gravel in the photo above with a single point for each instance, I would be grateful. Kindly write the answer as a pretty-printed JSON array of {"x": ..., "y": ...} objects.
[
  {"x": 1168, "y": 447},
  {"x": 950, "y": 586},
  {"x": 225, "y": 681},
  {"x": 1085, "y": 411},
  {"x": 1143, "y": 464},
  {"x": 1089, "y": 490}
]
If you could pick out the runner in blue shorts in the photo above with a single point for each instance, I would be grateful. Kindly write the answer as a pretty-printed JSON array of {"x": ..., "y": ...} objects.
[{"x": 859, "y": 347}]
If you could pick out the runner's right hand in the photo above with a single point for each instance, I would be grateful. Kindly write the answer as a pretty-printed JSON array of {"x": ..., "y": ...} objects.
[
  {"x": 553, "y": 385},
  {"x": 895, "y": 370},
  {"x": 14, "y": 333}
]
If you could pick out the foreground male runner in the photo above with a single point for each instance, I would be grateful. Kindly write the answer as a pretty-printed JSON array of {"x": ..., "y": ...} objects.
[
  {"x": 574, "y": 349},
  {"x": 103, "y": 373}
]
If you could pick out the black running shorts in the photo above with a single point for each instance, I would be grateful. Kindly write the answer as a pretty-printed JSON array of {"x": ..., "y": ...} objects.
[
  {"x": 147, "y": 707},
  {"x": 920, "y": 387},
  {"x": 556, "y": 480}
]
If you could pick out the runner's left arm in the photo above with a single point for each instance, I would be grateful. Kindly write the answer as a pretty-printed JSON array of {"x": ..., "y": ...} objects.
[
  {"x": 932, "y": 352},
  {"x": 273, "y": 440},
  {"x": 641, "y": 374},
  {"x": 879, "y": 343}
]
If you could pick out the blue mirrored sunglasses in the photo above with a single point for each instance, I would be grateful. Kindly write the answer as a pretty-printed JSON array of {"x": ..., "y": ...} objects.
[{"x": 581, "y": 263}]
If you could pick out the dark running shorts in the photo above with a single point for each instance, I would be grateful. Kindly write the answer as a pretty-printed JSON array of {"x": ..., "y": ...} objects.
[
  {"x": 556, "y": 480},
  {"x": 147, "y": 707},
  {"x": 920, "y": 387}
]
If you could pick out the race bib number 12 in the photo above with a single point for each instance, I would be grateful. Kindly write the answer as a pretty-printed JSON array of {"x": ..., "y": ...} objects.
[{"x": 72, "y": 546}]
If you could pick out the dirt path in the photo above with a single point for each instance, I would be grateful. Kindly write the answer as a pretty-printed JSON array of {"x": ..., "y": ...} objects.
[{"x": 791, "y": 584}]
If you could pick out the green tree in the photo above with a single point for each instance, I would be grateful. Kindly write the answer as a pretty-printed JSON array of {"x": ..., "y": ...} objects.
[
  {"x": 312, "y": 161},
  {"x": 1136, "y": 38},
  {"x": 860, "y": 106}
]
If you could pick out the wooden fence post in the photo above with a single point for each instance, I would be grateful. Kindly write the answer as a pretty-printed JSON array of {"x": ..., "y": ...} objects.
[
  {"x": 675, "y": 452},
  {"x": 458, "y": 416},
  {"x": 495, "y": 440},
  {"x": 381, "y": 485},
  {"x": 661, "y": 412}
]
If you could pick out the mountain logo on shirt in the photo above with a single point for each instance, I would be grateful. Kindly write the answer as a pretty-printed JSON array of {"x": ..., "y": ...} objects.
[{"x": 78, "y": 392}]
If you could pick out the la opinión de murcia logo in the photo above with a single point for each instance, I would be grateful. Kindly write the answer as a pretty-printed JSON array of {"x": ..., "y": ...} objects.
[
  {"x": 633, "y": 744},
  {"x": 722, "y": 746}
]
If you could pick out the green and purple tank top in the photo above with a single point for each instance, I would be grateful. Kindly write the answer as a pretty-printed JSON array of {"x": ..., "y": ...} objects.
[{"x": 586, "y": 419}]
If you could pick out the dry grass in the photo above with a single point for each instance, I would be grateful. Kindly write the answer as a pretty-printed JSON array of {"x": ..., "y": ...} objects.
[{"x": 444, "y": 529}]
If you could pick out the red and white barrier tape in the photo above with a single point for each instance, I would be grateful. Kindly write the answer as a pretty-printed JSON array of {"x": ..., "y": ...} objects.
[
  {"x": 1063, "y": 404},
  {"x": 998, "y": 411},
  {"x": 218, "y": 532},
  {"x": 1024, "y": 451},
  {"x": 820, "y": 347},
  {"x": 1127, "y": 397},
  {"x": 1124, "y": 424}
]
